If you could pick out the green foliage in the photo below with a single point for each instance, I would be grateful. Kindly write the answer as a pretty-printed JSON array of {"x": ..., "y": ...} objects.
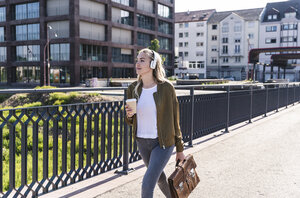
[
  {"x": 154, "y": 45},
  {"x": 45, "y": 87},
  {"x": 61, "y": 98}
]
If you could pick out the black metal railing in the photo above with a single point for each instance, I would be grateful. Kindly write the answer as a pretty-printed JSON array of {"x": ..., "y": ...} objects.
[{"x": 45, "y": 148}]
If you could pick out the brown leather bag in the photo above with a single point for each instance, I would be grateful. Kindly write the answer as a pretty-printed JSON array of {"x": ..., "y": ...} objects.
[{"x": 184, "y": 179}]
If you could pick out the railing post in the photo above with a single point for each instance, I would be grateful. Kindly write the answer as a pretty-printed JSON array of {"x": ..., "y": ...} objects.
[
  {"x": 251, "y": 103},
  {"x": 294, "y": 94},
  {"x": 267, "y": 100},
  {"x": 278, "y": 93},
  {"x": 126, "y": 170},
  {"x": 228, "y": 110},
  {"x": 192, "y": 116},
  {"x": 287, "y": 95}
]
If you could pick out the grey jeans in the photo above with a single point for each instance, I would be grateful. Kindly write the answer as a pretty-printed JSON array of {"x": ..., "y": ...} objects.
[{"x": 155, "y": 158}]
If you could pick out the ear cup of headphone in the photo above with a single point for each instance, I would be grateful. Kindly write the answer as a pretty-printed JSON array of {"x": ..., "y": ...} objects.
[{"x": 153, "y": 62}]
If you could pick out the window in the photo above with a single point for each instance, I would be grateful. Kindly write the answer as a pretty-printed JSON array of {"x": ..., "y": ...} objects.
[
  {"x": 165, "y": 43},
  {"x": 251, "y": 36},
  {"x": 180, "y": 35},
  {"x": 126, "y": 18},
  {"x": 186, "y": 34},
  {"x": 186, "y": 44},
  {"x": 225, "y": 59},
  {"x": 214, "y": 27},
  {"x": 122, "y": 55},
  {"x": 186, "y": 25},
  {"x": 213, "y": 60},
  {"x": 180, "y": 54},
  {"x": 237, "y": 27},
  {"x": 200, "y": 34},
  {"x": 225, "y": 27},
  {"x": 186, "y": 54},
  {"x": 28, "y": 53},
  {"x": 271, "y": 28},
  {"x": 2, "y": 34},
  {"x": 200, "y": 24},
  {"x": 287, "y": 39},
  {"x": 192, "y": 64},
  {"x": 225, "y": 49},
  {"x": 93, "y": 53},
  {"x": 124, "y": 2},
  {"x": 145, "y": 22},
  {"x": 270, "y": 40},
  {"x": 27, "y": 32},
  {"x": 225, "y": 40},
  {"x": 199, "y": 53},
  {"x": 290, "y": 15},
  {"x": 238, "y": 59},
  {"x": 164, "y": 27},
  {"x": 60, "y": 52},
  {"x": 27, "y": 11},
  {"x": 2, "y": 54},
  {"x": 199, "y": 44},
  {"x": 289, "y": 27},
  {"x": 164, "y": 11},
  {"x": 213, "y": 37},
  {"x": 272, "y": 17},
  {"x": 180, "y": 25},
  {"x": 200, "y": 64},
  {"x": 2, "y": 14},
  {"x": 180, "y": 44},
  {"x": 28, "y": 74},
  {"x": 144, "y": 39},
  {"x": 237, "y": 40},
  {"x": 214, "y": 48},
  {"x": 237, "y": 49},
  {"x": 3, "y": 72}
]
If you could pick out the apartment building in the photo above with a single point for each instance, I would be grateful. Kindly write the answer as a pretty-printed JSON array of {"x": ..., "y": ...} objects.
[
  {"x": 280, "y": 28},
  {"x": 87, "y": 38},
  {"x": 190, "y": 43},
  {"x": 231, "y": 35}
]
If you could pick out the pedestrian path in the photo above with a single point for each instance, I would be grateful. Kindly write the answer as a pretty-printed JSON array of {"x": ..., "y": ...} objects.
[{"x": 261, "y": 159}]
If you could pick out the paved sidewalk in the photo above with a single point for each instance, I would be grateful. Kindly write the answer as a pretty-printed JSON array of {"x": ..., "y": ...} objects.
[{"x": 261, "y": 159}]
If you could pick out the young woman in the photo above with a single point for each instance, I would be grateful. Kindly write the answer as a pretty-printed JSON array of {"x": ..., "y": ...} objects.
[{"x": 156, "y": 121}]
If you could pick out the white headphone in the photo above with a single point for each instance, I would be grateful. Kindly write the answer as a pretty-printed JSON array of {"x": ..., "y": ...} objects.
[{"x": 154, "y": 61}]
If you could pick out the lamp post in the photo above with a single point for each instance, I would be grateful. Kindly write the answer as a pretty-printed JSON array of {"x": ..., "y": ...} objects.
[{"x": 48, "y": 67}]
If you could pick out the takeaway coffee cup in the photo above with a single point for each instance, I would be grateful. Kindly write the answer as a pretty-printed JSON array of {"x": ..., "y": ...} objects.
[{"x": 132, "y": 104}]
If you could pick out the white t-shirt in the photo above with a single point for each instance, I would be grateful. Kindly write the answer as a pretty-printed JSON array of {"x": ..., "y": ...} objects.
[{"x": 146, "y": 114}]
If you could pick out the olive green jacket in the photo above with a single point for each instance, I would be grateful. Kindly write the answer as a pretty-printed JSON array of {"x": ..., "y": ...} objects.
[{"x": 167, "y": 108}]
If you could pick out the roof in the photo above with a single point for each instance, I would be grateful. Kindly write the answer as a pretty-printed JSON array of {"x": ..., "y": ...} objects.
[
  {"x": 248, "y": 15},
  {"x": 280, "y": 8},
  {"x": 190, "y": 16}
]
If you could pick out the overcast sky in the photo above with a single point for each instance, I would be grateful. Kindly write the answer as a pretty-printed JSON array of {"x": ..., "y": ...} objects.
[{"x": 220, "y": 5}]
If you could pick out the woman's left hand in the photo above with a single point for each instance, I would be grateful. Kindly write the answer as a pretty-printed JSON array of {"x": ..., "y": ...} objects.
[{"x": 180, "y": 156}]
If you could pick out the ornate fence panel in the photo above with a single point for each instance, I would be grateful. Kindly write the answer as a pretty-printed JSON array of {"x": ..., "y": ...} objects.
[
  {"x": 45, "y": 148},
  {"x": 54, "y": 146}
]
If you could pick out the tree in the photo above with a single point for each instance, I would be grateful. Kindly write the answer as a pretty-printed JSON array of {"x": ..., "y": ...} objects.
[{"x": 155, "y": 47}]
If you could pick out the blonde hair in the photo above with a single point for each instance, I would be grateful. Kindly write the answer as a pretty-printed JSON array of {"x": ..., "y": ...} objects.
[{"x": 158, "y": 73}]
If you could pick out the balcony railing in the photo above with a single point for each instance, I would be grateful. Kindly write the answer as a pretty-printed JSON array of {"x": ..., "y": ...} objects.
[{"x": 45, "y": 148}]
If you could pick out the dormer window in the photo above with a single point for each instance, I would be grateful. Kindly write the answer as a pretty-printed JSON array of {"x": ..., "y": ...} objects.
[
  {"x": 272, "y": 17},
  {"x": 290, "y": 15}
]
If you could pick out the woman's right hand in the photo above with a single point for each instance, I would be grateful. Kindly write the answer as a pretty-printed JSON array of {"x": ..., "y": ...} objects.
[{"x": 129, "y": 111}]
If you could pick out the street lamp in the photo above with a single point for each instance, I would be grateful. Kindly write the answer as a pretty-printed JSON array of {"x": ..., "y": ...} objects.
[{"x": 48, "y": 53}]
